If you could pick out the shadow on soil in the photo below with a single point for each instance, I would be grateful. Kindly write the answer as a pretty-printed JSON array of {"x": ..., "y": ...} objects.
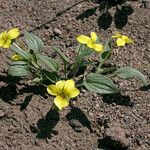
[
  {"x": 77, "y": 119},
  {"x": 108, "y": 144},
  {"x": 45, "y": 125},
  {"x": 145, "y": 88},
  {"x": 26, "y": 102},
  {"x": 118, "y": 99},
  {"x": 44, "y": 25},
  {"x": 105, "y": 19},
  {"x": 32, "y": 90},
  {"x": 9, "y": 91}
]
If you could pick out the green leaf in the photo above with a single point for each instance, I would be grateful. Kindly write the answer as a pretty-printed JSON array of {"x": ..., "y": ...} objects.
[
  {"x": 86, "y": 52},
  {"x": 106, "y": 55},
  {"x": 100, "y": 84},
  {"x": 51, "y": 63},
  {"x": 107, "y": 46},
  {"x": 18, "y": 70},
  {"x": 18, "y": 63},
  {"x": 79, "y": 47},
  {"x": 61, "y": 54},
  {"x": 33, "y": 55},
  {"x": 49, "y": 76},
  {"x": 19, "y": 51},
  {"x": 129, "y": 73},
  {"x": 107, "y": 51},
  {"x": 37, "y": 80},
  {"x": 33, "y": 42}
]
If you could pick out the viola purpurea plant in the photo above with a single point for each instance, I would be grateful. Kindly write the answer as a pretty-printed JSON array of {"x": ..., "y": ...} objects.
[{"x": 29, "y": 60}]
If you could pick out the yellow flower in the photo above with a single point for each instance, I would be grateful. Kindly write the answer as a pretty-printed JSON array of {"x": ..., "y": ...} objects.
[
  {"x": 16, "y": 57},
  {"x": 90, "y": 42},
  {"x": 122, "y": 39},
  {"x": 6, "y": 37},
  {"x": 63, "y": 90}
]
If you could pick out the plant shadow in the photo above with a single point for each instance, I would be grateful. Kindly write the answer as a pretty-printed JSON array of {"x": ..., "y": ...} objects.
[
  {"x": 60, "y": 13},
  {"x": 8, "y": 92},
  {"x": 31, "y": 90},
  {"x": 77, "y": 119},
  {"x": 118, "y": 99},
  {"x": 45, "y": 126},
  {"x": 26, "y": 102},
  {"x": 109, "y": 144},
  {"x": 34, "y": 89},
  {"x": 121, "y": 16},
  {"x": 104, "y": 21},
  {"x": 145, "y": 88},
  {"x": 87, "y": 13}
]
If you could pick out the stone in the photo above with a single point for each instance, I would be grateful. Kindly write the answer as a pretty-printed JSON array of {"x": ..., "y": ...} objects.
[
  {"x": 57, "y": 32},
  {"x": 2, "y": 114}
]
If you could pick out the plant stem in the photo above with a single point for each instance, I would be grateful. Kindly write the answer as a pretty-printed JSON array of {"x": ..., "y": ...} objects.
[
  {"x": 79, "y": 85},
  {"x": 76, "y": 64},
  {"x": 65, "y": 71}
]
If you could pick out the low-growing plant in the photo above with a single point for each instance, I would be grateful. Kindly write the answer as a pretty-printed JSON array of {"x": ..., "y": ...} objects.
[{"x": 28, "y": 59}]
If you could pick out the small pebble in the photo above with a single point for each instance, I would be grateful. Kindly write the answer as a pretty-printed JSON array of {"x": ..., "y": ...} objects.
[
  {"x": 2, "y": 114},
  {"x": 57, "y": 32}
]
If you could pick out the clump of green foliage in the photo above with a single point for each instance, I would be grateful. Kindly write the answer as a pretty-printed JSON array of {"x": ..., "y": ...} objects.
[{"x": 29, "y": 59}]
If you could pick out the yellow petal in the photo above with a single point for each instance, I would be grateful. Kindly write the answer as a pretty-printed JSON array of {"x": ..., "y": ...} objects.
[
  {"x": 127, "y": 39},
  {"x": 73, "y": 93},
  {"x": 3, "y": 35},
  {"x": 93, "y": 37},
  {"x": 2, "y": 42},
  {"x": 61, "y": 102},
  {"x": 120, "y": 42},
  {"x": 13, "y": 33},
  {"x": 70, "y": 90},
  {"x": 70, "y": 83},
  {"x": 16, "y": 57},
  {"x": 83, "y": 39},
  {"x": 7, "y": 44},
  {"x": 90, "y": 44},
  {"x": 117, "y": 35},
  {"x": 52, "y": 90},
  {"x": 60, "y": 86},
  {"x": 98, "y": 47}
]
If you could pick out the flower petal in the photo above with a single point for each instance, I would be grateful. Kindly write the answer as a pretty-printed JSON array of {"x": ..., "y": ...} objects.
[
  {"x": 7, "y": 44},
  {"x": 120, "y": 42},
  {"x": 60, "y": 86},
  {"x": 93, "y": 37},
  {"x": 127, "y": 39},
  {"x": 52, "y": 90},
  {"x": 73, "y": 93},
  {"x": 3, "y": 35},
  {"x": 70, "y": 90},
  {"x": 117, "y": 35},
  {"x": 98, "y": 47},
  {"x": 13, "y": 33},
  {"x": 3, "y": 38},
  {"x": 2, "y": 42},
  {"x": 70, "y": 83},
  {"x": 61, "y": 102},
  {"x": 16, "y": 57},
  {"x": 83, "y": 39},
  {"x": 90, "y": 44}
]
